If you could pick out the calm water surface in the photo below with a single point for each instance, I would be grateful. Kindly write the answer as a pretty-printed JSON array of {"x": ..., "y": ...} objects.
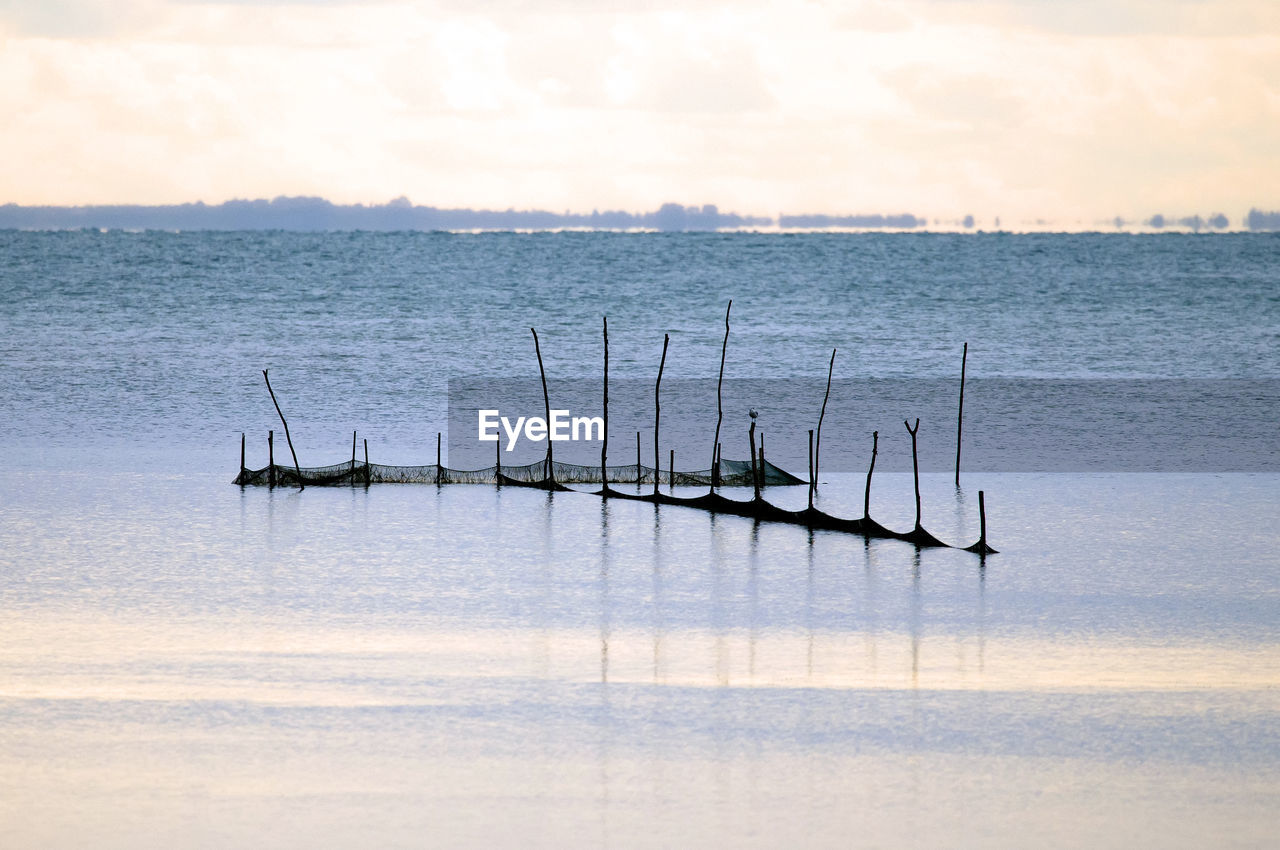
[{"x": 183, "y": 663}]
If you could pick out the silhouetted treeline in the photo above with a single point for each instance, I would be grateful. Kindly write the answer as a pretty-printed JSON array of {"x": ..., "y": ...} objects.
[
  {"x": 1217, "y": 221},
  {"x": 906, "y": 220},
  {"x": 319, "y": 214},
  {"x": 1259, "y": 220}
]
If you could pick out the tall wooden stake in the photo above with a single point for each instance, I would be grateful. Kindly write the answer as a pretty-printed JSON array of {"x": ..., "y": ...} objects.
[
  {"x": 715, "y": 445},
  {"x": 716, "y": 477},
  {"x": 762, "y": 461},
  {"x": 811, "y": 469},
  {"x": 604, "y": 448},
  {"x": 964, "y": 359},
  {"x": 915, "y": 465},
  {"x": 439, "y": 436},
  {"x": 982, "y": 522},
  {"x": 271, "y": 460},
  {"x": 817, "y": 451},
  {"x": 639, "y": 474},
  {"x": 497, "y": 462},
  {"x": 242, "y": 457},
  {"x": 671, "y": 472},
  {"x": 546, "y": 401},
  {"x": 353, "y": 458},
  {"x": 657, "y": 413},
  {"x": 755, "y": 476},
  {"x": 298, "y": 469},
  {"x": 366, "y": 463},
  {"x": 866, "y": 497}
]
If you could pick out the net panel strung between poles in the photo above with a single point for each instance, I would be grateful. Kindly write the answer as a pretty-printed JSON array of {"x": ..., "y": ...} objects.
[{"x": 733, "y": 473}]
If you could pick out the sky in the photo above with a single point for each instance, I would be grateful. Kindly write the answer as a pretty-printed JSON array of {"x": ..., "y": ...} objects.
[{"x": 1025, "y": 109}]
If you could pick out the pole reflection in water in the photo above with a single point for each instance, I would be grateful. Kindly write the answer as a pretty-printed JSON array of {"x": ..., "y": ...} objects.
[
  {"x": 808, "y": 603},
  {"x": 604, "y": 591},
  {"x": 916, "y": 605},
  {"x": 753, "y": 590}
]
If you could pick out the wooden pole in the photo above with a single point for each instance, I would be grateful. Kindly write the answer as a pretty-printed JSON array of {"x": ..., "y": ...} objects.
[
  {"x": 353, "y": 458},
  {"x": 817, "y": 449},
  {"x": 438, "y": 439},
  {"x": 982, "y": 522},
  {"x": 715, "y": 445},
  {"x": 915, "y": 465},
  {"x": 271, "y": 460},
  {"x": 716, "y": 477},
  {"x": 242, "y": 458},
  {"x": 497, "y": 463},
  {"x": 866, "y": 498},
  {"x": 639, "y": 474},
  {"x": 762, "y": 458},
  {"x": 810, "y": 469},
  {"x": 546, "y": 401},
  {"x": 671, "y": 472},
  {"x": 604, "y": 448},
  {"x": 366, "y": 463},
  {"x": 755, "y": 478},
  {"x": 964, "y": 358},
  {"x": 657, "y": 413},
  {"x": 296, "y": 468}
]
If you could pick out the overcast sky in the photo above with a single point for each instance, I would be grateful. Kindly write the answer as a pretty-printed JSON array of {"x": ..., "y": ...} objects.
[{"x": 1019, "y": 108}]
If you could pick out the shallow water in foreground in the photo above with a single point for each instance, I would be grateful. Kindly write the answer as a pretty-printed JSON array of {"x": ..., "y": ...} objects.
[{"x": 187, "y": 664}]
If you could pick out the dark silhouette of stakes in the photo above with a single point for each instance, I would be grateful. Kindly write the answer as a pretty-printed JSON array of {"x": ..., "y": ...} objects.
[
  {"x": 604, "y": 448},
  {"x": 301, "y": 484},
  {"x": 981, "y": 546},
  {"x": 866, "y": 497},
  {"x": 964, "y": 358},
  {"x": 546, "y": 403},
  {"x": 755, "y": 471},
  {"x": 715, "y": 443},
  {"x": 915, "y": 465},
  {"x": 657, "y": 413},
  {"x": 757, "y": 508},
  {"x": 817, "y": 451},
  {"x": 918, "y": 535},
  {"x": 811, "y": 488}
]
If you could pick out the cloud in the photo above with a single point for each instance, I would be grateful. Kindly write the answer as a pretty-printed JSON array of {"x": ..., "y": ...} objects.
[
  {"x": 75, "y": 18},
  {"x": 1118, "y": 18},
  {"x": 973, "y": 100},
  {"x": 938, "y": 106}
]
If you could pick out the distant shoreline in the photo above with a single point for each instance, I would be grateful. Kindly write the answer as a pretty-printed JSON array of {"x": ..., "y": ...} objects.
[{"x": 306, "y": 214}]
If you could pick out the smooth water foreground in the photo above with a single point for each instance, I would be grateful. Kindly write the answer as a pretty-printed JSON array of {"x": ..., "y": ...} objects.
[{"x": 185, "y": 663}]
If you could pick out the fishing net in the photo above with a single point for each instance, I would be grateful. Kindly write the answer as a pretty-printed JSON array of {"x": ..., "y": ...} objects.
[{"x": 733, "y": 473}]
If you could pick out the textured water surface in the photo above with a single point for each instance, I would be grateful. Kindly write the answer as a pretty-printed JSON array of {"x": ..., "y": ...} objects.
[{"x": 185, "y": 663}]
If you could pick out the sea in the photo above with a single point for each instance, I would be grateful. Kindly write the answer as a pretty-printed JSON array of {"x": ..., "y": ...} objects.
[{"x": 186, "y": 663}]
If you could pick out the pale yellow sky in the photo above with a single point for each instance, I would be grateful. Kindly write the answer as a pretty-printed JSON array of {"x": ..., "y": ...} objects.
[{"x": 1019, "y": 108}]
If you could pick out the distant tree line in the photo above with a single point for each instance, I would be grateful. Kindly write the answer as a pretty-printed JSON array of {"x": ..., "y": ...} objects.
[
  {"x": 308, "y": 213},
  {"x": 905, "y": 220},
  {"x": 304, "y": 213},
  {"x": 1259, "y": 220}
]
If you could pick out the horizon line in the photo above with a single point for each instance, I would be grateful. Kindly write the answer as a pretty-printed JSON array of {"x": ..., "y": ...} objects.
[{"x": 316, "y": 213}]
